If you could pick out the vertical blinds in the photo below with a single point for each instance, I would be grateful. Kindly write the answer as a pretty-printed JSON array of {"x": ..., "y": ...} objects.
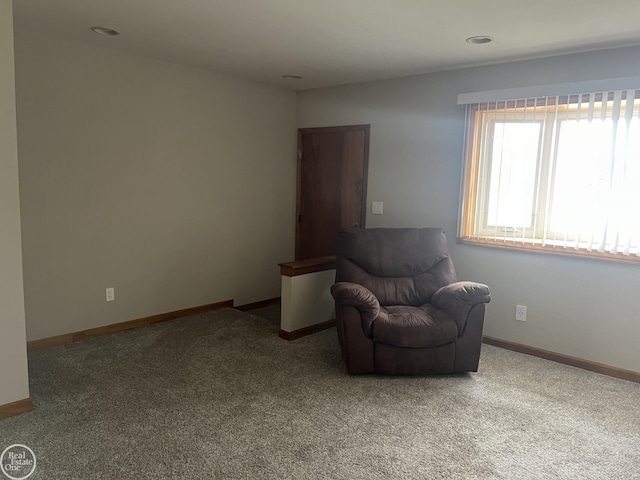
[{"x": 557, "y": 171}]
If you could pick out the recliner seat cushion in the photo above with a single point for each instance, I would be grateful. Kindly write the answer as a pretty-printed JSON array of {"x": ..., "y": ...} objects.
[{"x": 413, "y": 327}]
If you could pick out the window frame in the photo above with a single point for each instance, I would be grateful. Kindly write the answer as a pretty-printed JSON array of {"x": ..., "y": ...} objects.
[
  {"x": 482, "y": 225},
  {"x": 474, "y": 194}
]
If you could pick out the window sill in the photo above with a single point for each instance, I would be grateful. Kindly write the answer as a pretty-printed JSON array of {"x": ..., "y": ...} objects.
[{"x": 552, "y": 250}]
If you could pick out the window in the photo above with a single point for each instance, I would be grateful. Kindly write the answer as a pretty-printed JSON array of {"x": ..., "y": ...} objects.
[{"x": 558, "y": 174}]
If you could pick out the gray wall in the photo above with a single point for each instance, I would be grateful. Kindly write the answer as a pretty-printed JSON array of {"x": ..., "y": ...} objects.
[
  {"x": 580, "y": 307},
  {"x": 173, "y": 185},
  {"x": 14, "y": 384}
]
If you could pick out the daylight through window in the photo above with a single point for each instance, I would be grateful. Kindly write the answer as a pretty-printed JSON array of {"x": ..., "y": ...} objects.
[{"x": 555, "y": 173}]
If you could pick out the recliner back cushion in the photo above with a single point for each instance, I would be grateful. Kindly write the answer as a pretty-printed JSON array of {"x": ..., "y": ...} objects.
[{"x": 401, "y": 266}]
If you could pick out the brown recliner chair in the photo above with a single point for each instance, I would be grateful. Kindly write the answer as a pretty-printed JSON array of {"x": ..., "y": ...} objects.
[{"x": 399, "y": 308}]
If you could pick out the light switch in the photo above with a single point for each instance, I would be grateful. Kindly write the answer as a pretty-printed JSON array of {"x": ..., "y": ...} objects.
[{"x": 376, "y": 208}]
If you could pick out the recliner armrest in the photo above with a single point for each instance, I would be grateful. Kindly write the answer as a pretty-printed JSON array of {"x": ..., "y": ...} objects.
[
  {"x": 352, "y": 294},
  {"x": 458, "y": 298}
]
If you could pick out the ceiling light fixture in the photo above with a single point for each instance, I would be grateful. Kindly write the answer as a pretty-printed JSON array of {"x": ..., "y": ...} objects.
[
  {"x": 479, "y": 39},
  {"x": 105, "y": 31},
  {"x": 292, "y": 77}
]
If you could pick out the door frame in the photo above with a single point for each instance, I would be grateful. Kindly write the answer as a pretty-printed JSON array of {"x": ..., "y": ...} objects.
[{"x": 365, "y": 170}]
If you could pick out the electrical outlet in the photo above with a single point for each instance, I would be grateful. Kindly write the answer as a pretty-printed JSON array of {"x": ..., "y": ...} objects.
[
  {"x": 111, "y": 294},
  {"x": 521, "y": 313},
  {"x": 376, "y": 207}
]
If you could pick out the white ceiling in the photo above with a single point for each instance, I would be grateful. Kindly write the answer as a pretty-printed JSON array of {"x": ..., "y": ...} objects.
[{"x": 331, "y": 42}]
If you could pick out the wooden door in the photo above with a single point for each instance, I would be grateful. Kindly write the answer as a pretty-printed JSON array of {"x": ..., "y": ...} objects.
[{"x": 332, "y": 186}]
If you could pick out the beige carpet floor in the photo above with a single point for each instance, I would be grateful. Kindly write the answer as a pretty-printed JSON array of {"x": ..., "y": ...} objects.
[{"x": 219, "y": 396}]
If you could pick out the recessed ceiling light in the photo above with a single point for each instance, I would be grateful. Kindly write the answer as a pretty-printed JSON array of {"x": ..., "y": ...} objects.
[
  {"x": 292, "y": 77},
  {"x": 479, "y": 39},
  {"x": 105, "y": 31}
]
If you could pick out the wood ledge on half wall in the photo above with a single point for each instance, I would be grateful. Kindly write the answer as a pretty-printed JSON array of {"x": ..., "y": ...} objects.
[{"x": 310, "y": 265}]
